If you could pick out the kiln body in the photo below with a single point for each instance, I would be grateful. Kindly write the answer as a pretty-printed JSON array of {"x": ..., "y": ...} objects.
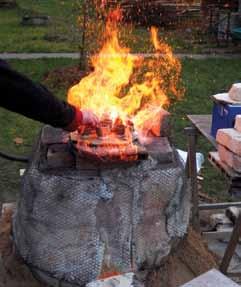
[{"x": 76, "y": 222}]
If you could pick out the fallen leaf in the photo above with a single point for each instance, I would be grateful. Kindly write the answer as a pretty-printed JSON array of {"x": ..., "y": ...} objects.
[{"x": 18, "y": 141}]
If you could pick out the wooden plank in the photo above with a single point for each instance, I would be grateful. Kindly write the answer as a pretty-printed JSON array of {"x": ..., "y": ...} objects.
[
  {"x": 231, "y": 246},
  {"x": 203, "y": 124},
  {"x": 223, "y": 205},
  {"x": 234, "y": 274},
  {"x": 153, "y": 9},
  {"x": 230, "y": 158},
  {"x": 51, "y": 135},
  {"x": 192, "y": 173},
  {"x": 217, "y": 235},
  {"x": 236, "y": 183},
  {"x": 214, "y": 159}
]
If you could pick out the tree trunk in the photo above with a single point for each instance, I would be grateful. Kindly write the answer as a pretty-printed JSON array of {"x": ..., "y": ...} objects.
[{"x": 83, "y": 60}]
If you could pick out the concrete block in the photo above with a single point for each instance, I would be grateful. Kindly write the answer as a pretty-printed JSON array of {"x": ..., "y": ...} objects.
[
  {"x": 220, "y": 219},
  {"x": 231, "y": 139},
  {"x": 231, "y": 159},
  {"x": 213, "y": 278},
  {"x": 238, "y": 123},
  {"x": 235, "y": 92},
  {"x": 159, "y": 148},
  {"x": 125, "y": 280}
]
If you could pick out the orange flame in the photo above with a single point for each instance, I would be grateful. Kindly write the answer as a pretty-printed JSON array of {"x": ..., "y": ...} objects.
[{"x": 127, "y": 86}]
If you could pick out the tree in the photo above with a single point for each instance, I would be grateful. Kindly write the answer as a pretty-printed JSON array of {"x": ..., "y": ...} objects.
[{"x": 91, "y": 26}]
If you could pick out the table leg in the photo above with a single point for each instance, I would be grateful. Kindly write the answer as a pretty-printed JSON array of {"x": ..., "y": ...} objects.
[
  {"x": 192, "y": 174},
  {"x": 231, "y": 245}
]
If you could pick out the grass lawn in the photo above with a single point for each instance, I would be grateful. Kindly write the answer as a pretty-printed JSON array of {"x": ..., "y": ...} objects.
[
  {"x": 64, "y": 34},
  {"x": 17, "y": 38},
  {"x": 201, "y": 78}
]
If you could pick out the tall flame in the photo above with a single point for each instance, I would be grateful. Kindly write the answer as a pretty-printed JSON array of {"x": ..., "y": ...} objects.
[{"x": 127, "y": 86}]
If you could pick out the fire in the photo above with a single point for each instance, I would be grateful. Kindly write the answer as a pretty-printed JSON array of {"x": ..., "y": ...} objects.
[{"x": 131, "y": 88}]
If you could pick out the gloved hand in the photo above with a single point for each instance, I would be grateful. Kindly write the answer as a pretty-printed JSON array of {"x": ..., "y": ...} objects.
[{"x": 82, "y": 119}]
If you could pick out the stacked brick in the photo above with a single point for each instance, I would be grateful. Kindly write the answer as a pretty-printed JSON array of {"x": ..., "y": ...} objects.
[
  {"x": 229, "y": 140},
  {"x": 229, "y": 145}
]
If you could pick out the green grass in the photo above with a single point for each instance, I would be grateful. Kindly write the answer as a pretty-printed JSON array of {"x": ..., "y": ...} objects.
[
  {"x": 64, "y": 34},
  {"x": 13, "y": 125},
  {"x": 202, "y": 78},
  {"x": 17, "y": 38}
]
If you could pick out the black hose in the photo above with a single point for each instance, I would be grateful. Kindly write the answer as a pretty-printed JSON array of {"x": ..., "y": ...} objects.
[{"x": 13, "y": 157}]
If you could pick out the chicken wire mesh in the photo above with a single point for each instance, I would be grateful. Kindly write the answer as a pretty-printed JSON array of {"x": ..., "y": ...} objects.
[{"x": 77, "y": 228}]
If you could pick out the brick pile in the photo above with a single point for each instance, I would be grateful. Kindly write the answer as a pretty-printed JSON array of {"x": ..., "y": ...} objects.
[{"x": 229, "y": 145}]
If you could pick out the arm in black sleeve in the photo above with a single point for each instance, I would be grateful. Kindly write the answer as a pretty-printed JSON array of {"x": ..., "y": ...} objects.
[{"x": 19, "y": 94}]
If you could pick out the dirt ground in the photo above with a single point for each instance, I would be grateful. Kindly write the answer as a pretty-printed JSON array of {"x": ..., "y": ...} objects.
[
  {"x": 13, "y": 271},
  {"x": 64, "y": 77},
  {"x": 189, "y": 260}
]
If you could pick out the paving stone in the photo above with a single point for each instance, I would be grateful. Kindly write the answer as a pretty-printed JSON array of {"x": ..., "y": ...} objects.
[
  {"x": 231, "y": 139},
  {"x": 213, "y": 278},
  {"x": 238, "y": 123},
  {"x": 29, "y": 56},
  {"x": 231, "y": 159}
]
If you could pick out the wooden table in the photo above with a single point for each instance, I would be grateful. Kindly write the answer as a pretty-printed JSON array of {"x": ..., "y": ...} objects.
[{"x": 201, "y": 124}]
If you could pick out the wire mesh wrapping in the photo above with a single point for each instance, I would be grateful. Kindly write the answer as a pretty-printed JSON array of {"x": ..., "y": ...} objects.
[{"x": 78, "y": 228}]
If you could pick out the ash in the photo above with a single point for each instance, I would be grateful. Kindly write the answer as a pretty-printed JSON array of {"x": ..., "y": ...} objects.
[{"x": 77, "y": 223}]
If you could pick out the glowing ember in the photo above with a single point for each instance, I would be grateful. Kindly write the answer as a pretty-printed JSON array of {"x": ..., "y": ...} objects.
[
  {"x": 110, "y": 142},
  {"x": 127, "y": 88}
]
